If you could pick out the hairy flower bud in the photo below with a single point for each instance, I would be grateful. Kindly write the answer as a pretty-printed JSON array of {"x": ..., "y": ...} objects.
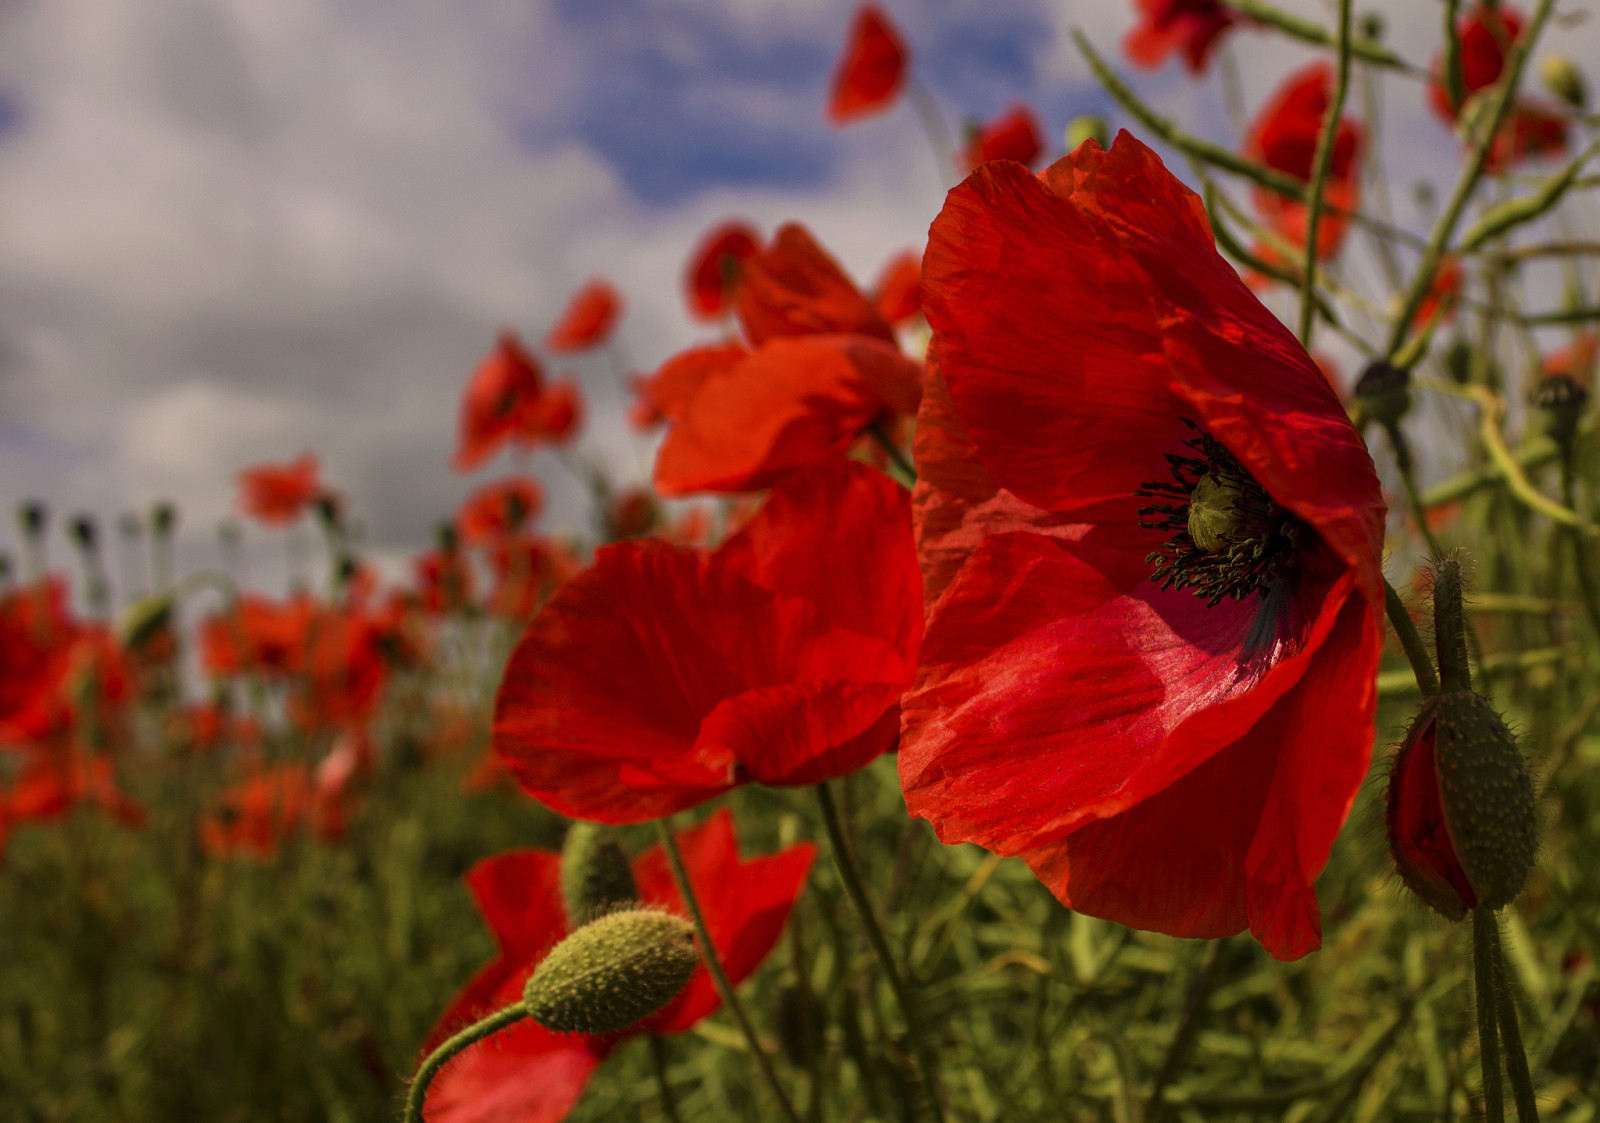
[
  {"x": 595, "y": 874},
  {"x": 1561, "y": 77},
  {"x": 1384, "y": 391},
  {"x": 612, "y": 973}
]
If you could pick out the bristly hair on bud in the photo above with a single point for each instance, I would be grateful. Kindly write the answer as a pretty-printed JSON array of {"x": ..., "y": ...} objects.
[
  {"x": 612, "y": 973},
  {"x": 595, "y": 874}
]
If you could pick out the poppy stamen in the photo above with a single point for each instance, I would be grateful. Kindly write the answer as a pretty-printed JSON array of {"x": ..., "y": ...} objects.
[{"x": 1227, "y": 537}]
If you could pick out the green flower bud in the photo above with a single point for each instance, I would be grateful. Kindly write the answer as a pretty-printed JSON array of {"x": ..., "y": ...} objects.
[
  {"x": 1087, "y": 126},
  {"x": 595, "y": 875},
  {"x": 1562, "y": 77},
  {"x": 144, "y": 620},
  {"x": 1384, "y": 392},
  {"x": 1560, "y": 402},
  {"x": 612, "y": 973}
]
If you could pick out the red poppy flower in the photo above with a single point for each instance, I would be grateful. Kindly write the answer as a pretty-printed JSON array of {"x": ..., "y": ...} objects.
[
  {"x": 444, "y": 580},
  {"x": 872, "y": 69},
  {"x": 1013, "y": 136},
  {"x": 662, "y": 676},
  {"x": 277, "y": 493},
  {"x": 794, "y": 288},
  {"x": 340, "y": 672},
  {"x": 898, "y": 293},
  {"x": 588, "y": 320},
  {"x": 527, "y": 569},
  {"x": 499, "y": 509},
  {"x": 1190, "y": 26},
  {"x": 1443, "y": 292},
  {"x": 36, "y": 638},
  {"x": 270, "y": 806},
  {"x": 747, "y": 419},
  {"x": 666, "y": 394},
  {"x": 1530, "y": 129},
  {"x": 1284, "y": 137},
  {"x": 55, "y": 779},
  {"x": 1169, "y": 724},
  {"x": 532, "y": 1075},
  {"x": 256, "y": 635},
  {"x": 1577, "y": 360},
  {"x": 715, "y": 266},
  {"x": 496, "y": 397}
]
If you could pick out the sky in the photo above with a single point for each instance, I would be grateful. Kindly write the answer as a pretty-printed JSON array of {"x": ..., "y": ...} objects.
[{"x": 232, "y": 231}]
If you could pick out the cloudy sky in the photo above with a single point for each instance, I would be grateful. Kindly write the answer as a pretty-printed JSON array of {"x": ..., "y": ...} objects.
[{"x": 231, "y": 231}]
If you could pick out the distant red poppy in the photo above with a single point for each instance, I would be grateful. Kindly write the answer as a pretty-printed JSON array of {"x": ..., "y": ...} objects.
[
  {"x": 1531, "y": 129},
  {"x": 1151, "y": 544},
  {"x": 1012, "y": 136},
  {"x": 588, "y": 320},
  {"x": 712, "y": 280},
  {"x": 792, "y": 403},
  {"x": 662, "y": 676},
  {"x": 664, "y": 395},
  {"x": 531, "y": 1075},
  {"x": 872, "y": 69},
  {"x": 444, "y": 580},
  {"x": 1284, "y": 136},
  {"x": 257, "y": 635},
  {"x": 898, "y": 293},
  {"x": 499, "y": 508},
  {"x": 527, "y": 569},
  {"x": 36, "y": 638},
  {"x": 278, "y": 493},
  {"x": 1190, "y": 26},
  {"x": 506, "y": 400},
  {"x": 794, "y": 288},
  {"x": 1443, "y": 292},
  {"x": 1576, "y": 361}
]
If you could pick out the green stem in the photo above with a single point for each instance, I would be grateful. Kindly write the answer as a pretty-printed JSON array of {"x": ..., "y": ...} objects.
[
  {"x": 1408, "y": 481},
  {"x": 850, "y": 874},
  {"x": 1319, "y": 175},
  {"x": 1580, "y": 558},
  {"x": 1188, "y": 1026},
  {"x": 714, "y": 964},
  {"x": 658, "y": 1061},
  {"x": 1511, "y": 1037},
  {"x": 1445, "y": 227},
  {"x": 1411, "y": 640},
  {"x": 437, "y": 1059},
  {"x": 1483, "y": 972},
  {"x": 904, "y": 471}
]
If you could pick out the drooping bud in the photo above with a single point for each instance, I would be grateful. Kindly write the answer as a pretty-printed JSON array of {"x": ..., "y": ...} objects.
[
  {"x": 1560, "y": 402},
  {"x": 1087, "y": 126},
  {"x": 1384, "y": 392},
  {"x": 1462, "y": 818},
  {"x": 31, "y": 517},
  {"x": 85, "y": 534},
  {"x": 143, "y": 621},
  {"x": 612, "y": 973},
  {"x": 595, "y": 875},
  {"x": 1561, "y": 77}
]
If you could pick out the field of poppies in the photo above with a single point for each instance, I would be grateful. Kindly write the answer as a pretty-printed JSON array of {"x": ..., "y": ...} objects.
[{"x": 1135, "y": 659}]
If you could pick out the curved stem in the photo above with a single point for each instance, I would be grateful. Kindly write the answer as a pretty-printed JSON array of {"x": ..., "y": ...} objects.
[
  {"x": 1319, "y": 175},
  {"x": 1411, "y": 640},
  {"x": 680, "y": 874},
  {"x": 436, "y": 1060},
  {"x": 850, "y": 874},
  {"x": 1511, "y": 1038},
  {"x": 1483, "y": 972},
  {"x": 936, "y": 129}
]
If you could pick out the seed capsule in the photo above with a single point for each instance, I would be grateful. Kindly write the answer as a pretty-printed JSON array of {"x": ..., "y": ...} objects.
[
  {"x": 595, "y": 875},
  {"x": 612, "y": 973}
]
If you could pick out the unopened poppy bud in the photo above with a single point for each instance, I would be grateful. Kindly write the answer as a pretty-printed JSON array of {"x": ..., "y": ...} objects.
[
  {"x": 1560, "y": 402},
  {"x": 595, "y": 875},
  {"x": 1561, "y": 77},
  {"x": 613, "y": 973},
  {"x": 327, "y": 509},
  {"x": 445, "y": 535},
  {"x": 84, "y": 533},
  {"x": 1458, "y": 361},
  {"x": 32, "y": 517},
  {"x": 163, "y": 519},
  {"x": 1087, "y": 126},
  {"x": 1384, "y": 392},
  {"x": 143, "y": 621},
  {"x": 1371, "y": 25}
]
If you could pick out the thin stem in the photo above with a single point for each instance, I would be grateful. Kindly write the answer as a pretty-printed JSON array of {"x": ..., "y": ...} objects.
[
  {"x": 1511, "y": 1037},
  {"x": 714, "y": 964},
  {"x": 1408, "y": 481},
  {"x": 850, "y": 874},
  {"x": 936, "y": 129},
  {"x": 1319, "y": 176},
  {"x": 1446, "y": 226},
  {"x": 1411, "y": 640},
  {"x": 1205, "y": 982},
  {"x": 904, "y": 471},
  {"x": 1483, "y": 972},
  {"x": 658, "y": 1061},
  {"x": 437, "y": 1059},
  {"x": 1580, "y": 558}
]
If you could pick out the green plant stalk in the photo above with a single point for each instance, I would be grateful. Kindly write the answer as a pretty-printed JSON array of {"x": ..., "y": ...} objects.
[
  {"x": 1188, "y": 1026},
  {"x": 1513, "y": 213},
  {"x": 850, "y": 874},
  {"x": 1411, "y": 640},
  {"x": 1580, "y": 559},
  {"x": 904, "y": 471},
  {"x": 708, "y": 950},
  {"x": 1483, "y": 977},
  {"x": 658, "y": 1062},
  {"x": 437, "y": 1059},
  {"x": 1534, "y": 454},
  {"x": 1408, "y": 481},
  {"x": 1455, "y": 82},
  {"x": 1511, "y": 1038},
  {"x": 1319, "y": 176},
  {"x": 1510, "y": 77},
  {"x": 1308, "y": 32}
]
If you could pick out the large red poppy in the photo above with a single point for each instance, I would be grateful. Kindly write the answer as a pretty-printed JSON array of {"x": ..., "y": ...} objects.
[
  {"x": 278, "y": 493},
  {"x": 1284, "y": 137},
  {"x": 1531, "y": 128},
  {"x": 588, "y": 320},
  {"x": 872, "y": 69},
  {"x": 712, "y": 279},
  {"x": 531, "y": 1075},
  {"x": 662, "y": 676},
  {"x": 1175, "y": 754},
  {"x": 1190, "y": 26}
]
